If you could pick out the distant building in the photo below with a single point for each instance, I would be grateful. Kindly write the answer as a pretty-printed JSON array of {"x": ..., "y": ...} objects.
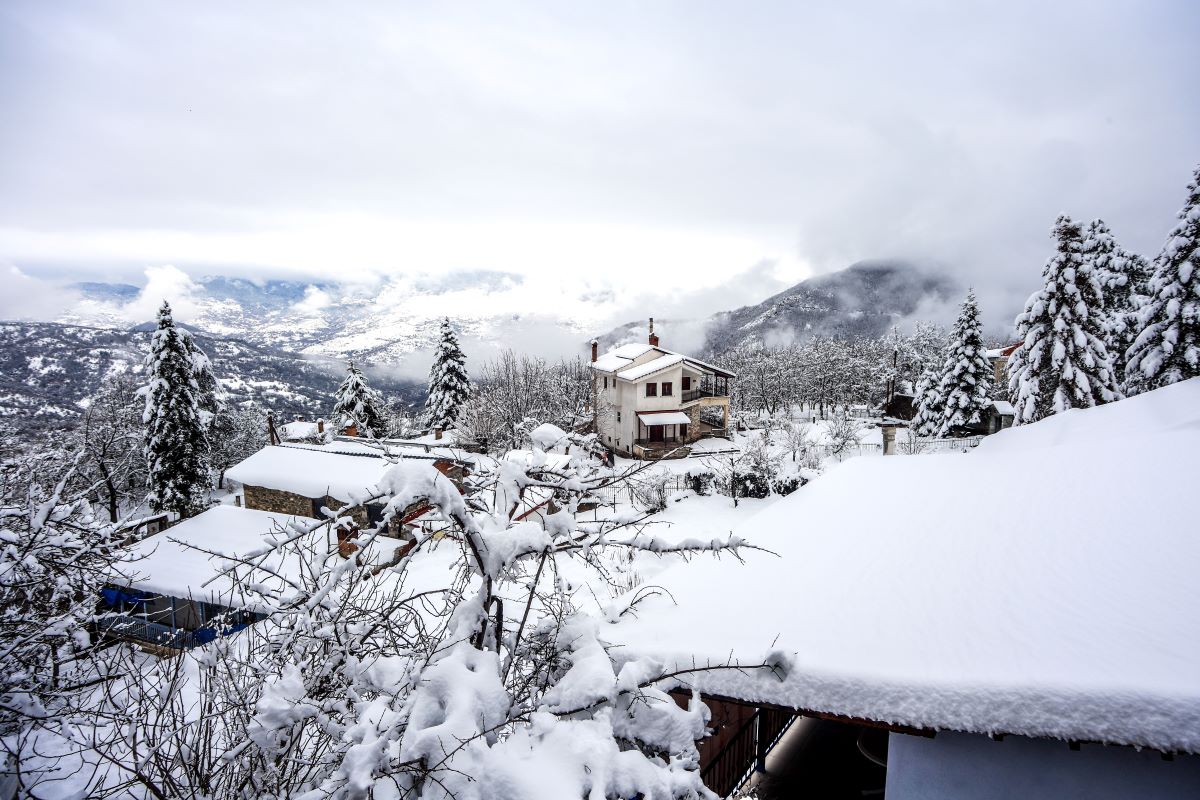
[
  {"x": 999, "y": 358},
  {"x": 652, "y": 402}
]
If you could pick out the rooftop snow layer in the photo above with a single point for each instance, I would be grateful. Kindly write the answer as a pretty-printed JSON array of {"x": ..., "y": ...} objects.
[
  {"x": 1044, "y": 585},
  {"x": 311, "y": 472},
  {"x": 650, "y": 367},
  {"x": 179, "y": 561}
]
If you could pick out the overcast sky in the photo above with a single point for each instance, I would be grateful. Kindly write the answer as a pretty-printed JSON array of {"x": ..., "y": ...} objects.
[{"x": 727, "y": 149}]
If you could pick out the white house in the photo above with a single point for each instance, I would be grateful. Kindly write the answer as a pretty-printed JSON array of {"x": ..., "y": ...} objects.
[{"x": 652, "y": 402}]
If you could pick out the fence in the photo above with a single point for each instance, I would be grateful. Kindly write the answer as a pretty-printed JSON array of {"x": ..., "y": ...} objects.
[
  {"x": 155, "y": 633},
  {"x": 733, "y": 765},
  {"x": 960, "y": 445}
]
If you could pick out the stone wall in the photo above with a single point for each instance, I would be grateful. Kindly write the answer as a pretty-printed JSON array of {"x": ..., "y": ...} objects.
[
  {"x": 693, "y": 412},
  {"x": 262, "y": 499}
]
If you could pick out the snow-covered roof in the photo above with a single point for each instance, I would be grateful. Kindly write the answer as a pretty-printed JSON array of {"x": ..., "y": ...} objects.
[
  {"x": 392, "y": 449},
  {"x": 299, "y": 430},
  {"x": 650, "y": 367},
  {"x": 1004, "y": 407},
  {"x": 621, "y": 356},
  {"x": 170, "y": 562},
  {"x": 618, "y": 358},
  {"x": 898, "y": 595},
  {"x": 311, "y": 472},
  {"x": 667, "y": 418}
]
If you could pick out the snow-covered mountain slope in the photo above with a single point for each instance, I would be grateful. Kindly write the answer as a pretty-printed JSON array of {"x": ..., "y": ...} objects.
[
  {"x": 389, "y": 321},
  {"x": 381, "y": 323},
  {"x": 47, "y": 370},
  {"x": 865, "y": 299}
]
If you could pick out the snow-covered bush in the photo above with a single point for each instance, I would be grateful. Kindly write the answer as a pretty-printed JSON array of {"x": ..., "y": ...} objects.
[
  {"x": 786, "y": 484},
  {"x": 473, "y": 666},
  {"x": 54, "y": 557},
  {"x": 650, "y": 490},
  {"x": 751, "y": 484},
  {"x": 843, "y": 433},
  {"x": 700, "y": 481}
]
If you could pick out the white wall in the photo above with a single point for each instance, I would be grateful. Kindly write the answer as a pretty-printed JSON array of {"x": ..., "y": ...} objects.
[
  {"x": 972, "y": 767},
  {"x": 660, "y": 403}
]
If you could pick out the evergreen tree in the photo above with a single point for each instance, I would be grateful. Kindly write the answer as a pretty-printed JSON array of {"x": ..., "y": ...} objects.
[
  {"x": 209, "y": 396},
  {"x": 1062, "y": 362},
  {"x": 449, "y": 388},
  {"x": 358, "y": 404},
  {"x": 1167, "y": 348},
  {"x": 966, "y": 375},
  {"x": 1123, "y": 279},
  {"x": 176, "y": 443},
  {"x": 930, "y": 405}
]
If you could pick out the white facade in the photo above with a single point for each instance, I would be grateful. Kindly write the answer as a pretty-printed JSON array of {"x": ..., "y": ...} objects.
[
  {"x": 966, "y": 766},
  {"x": 635, "y": 382}
]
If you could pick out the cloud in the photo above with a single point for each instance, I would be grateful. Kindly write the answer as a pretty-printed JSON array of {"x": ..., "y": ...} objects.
[
  {"x": 639, "y": 153},
  {"x": 28, "y": 298}
]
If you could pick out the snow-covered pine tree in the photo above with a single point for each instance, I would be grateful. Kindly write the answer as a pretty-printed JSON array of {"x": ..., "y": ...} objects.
[
  {"x": 967, "y": 373},
  {"x": 449, "y": 387},
  {"x": 176, "y": 442},
  {"x": 1167, "y": 347},
  {"x": 1124, "y": 279},
  {"x": 1062, "y": 362},
  {"x": 358, "y": 404},
  {"x": 209, "y": 396},
  {"x": 929, "y": 403}
]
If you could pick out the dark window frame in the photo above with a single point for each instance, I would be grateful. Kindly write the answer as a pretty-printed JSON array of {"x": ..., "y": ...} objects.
[
  {"x": 652, "y": 389},
  {"x": 668, "y": 389}
]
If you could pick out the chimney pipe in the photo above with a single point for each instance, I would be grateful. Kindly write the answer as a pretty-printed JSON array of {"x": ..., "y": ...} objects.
[
  {"x": 653, "y": 337},
  {"x": 595, "y": 345},
  {"x": 320, "y": 426},
  {"x": 437, "y": 433}
]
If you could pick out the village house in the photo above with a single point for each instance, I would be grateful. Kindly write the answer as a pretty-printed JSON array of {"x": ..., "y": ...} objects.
[
  {"x": 652, "y": 402},
  {"x": 999, "y": 359},
  {"x": 301, "y": 480},
  {"x": 174, "y": 593}
]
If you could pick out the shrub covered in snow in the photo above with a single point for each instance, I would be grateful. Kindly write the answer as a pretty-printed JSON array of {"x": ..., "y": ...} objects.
[{"x": 474, "y": 666}]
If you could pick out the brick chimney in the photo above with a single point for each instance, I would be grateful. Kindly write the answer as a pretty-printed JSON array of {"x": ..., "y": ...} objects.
[
  {"x": 653, "y": 336},
  {"x": 595, "y": 347},
  {"x": 320, "y": 426}
]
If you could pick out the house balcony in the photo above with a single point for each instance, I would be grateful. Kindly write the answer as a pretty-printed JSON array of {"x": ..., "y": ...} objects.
[
  {"x": 692, "y": 395},
  {"x": 710, "y": 386}
]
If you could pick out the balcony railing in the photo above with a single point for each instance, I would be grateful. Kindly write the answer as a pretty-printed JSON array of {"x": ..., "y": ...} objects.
[{"x": 703, "y": 391}]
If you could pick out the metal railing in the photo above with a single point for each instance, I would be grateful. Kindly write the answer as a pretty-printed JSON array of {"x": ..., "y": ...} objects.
[
  {"x": 734, "y": 764},
  {"x": 156, "y": 633}
]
